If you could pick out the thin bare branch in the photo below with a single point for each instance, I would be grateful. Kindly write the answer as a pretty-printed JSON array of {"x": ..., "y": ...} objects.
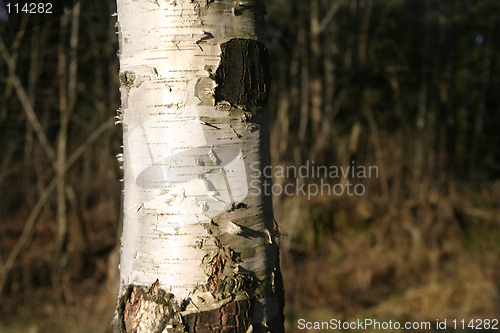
[
  {"x": 42, "y": 201},
  {"x": 27, "y": 107},
  {"x": 329, "y": 16}
]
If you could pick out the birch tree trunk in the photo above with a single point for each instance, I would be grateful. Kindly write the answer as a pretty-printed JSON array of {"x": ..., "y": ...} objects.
[{"x": 199, "y": 244}]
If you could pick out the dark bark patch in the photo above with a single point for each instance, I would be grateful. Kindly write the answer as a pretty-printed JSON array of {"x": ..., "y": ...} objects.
[
  {"x": 237, "y": 206},
  {"x": 127, "y": 79},
  {"x": 232, "y": 317},
  {"x": 243, "y": 77}
]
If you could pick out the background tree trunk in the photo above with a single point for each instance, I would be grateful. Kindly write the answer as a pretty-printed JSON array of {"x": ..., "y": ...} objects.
[{"x": 199, "y": 250}]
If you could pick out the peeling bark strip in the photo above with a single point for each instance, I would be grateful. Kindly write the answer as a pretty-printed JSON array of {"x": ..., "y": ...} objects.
[{"x": 243, "y": 75}]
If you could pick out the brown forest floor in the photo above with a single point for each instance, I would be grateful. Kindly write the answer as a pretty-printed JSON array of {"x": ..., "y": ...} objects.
[{"x": 403, "y": 260}]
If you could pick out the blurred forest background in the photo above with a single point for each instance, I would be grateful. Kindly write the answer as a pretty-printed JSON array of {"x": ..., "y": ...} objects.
[{"x": 408, "y": 86}]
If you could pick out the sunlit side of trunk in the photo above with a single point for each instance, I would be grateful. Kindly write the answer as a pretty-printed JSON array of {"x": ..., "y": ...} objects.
[{"x": 198, "y": 243}]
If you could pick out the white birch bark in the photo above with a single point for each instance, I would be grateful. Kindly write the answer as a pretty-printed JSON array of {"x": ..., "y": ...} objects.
[{"x": 194, "y": 219}]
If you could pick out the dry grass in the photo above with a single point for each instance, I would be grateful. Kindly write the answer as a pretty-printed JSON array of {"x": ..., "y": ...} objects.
[
  {"x": 418, "y": 254},
  {"x": 345, "y": 259},
  {"x": 405, "y": 259}
]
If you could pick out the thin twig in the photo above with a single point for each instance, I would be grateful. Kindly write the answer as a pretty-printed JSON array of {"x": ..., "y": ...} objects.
[
  {"x": 28, "y": 108},
  {"x": 329, "y": 16}
]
